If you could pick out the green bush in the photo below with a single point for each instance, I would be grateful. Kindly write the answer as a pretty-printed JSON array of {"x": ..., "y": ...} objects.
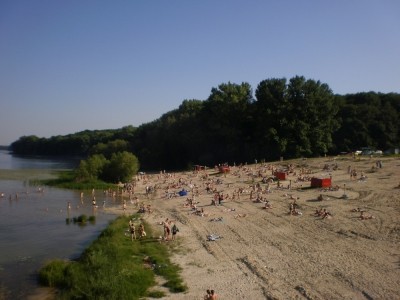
[
  {"x": 82, "y": 219},
  {"x": 52, "y": 274}
]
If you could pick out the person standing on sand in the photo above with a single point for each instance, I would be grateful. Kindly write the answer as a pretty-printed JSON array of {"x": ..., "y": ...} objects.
[
  {"x": 132, "y": 230},
  {"x": 167, "y": 229},
  {"x": 175, "y": 230},
  {"x": 213, "y": 295},
  {"x": 142, "y": 233}
]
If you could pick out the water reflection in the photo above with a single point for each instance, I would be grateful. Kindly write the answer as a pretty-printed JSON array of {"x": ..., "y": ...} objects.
[{"x": 8, "y": 161}]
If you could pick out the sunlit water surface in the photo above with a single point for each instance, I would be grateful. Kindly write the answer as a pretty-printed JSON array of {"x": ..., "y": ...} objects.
[{"x": 33, "y": 227}]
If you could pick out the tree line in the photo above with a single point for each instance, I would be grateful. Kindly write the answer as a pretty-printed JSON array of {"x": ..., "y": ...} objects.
[{"x": 292, "y": 118}]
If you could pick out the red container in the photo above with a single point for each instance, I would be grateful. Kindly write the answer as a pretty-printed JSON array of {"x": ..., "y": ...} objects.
[
  {"x": 224, "y": 169},
  {"x": 280, "y": 175},
  {"x": 321, "y": 182},
  {"x": 199, "y": 168}
]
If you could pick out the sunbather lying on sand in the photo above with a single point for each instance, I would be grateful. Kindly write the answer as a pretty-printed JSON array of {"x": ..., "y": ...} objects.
[
  {"x": 295, "y": 212},
  {"x": 213, "y": 237},
  {"x": 364, "y": 216},
  {"x": 318, "y": 212},
  {"x": 326, "y": 215},
  {"x": 201, "y": 213},
  {"x": 357, "y": 210},
  {"x": 240, "y": 216},
  {"x": 229, "y": 209},
  {"x": 323, "y": 213},
  {"x": 267, "y": 205}
]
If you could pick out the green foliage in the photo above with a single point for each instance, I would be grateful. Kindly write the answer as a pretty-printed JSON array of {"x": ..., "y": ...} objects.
[
  {"x": 156, "y": 294},
  {"x": 296, "y": 118},
  {"x": 92, "y": 168},
  {"x": 113, "y": 268},
  {"x": 72, "y": 144},
  {"x": 52, "y": 274},
  {"x": 110, "y": 148},
  {"x": 368, "y": 119},
  {"x": 67, "y": 180},
  {"x": 121, "y": 167},
  {"x": 82, "y": 220}
]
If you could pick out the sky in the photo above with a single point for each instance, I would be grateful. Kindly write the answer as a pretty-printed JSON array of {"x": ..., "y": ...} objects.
[{"x": 68, "y": 66}]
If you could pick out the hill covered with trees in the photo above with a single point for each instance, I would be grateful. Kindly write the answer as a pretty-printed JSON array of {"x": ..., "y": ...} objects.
[{"x": 291, "y": 118}]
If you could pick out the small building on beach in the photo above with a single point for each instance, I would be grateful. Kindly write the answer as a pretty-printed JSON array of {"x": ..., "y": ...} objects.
[
  {"x": 321, "y": 182},
  {"x": 281, "y": 175}
]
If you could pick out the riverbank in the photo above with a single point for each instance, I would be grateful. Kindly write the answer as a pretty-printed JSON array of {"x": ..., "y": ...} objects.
[
  {"x": 268, "y": 253},
  {"x": 116, "y": 266}
]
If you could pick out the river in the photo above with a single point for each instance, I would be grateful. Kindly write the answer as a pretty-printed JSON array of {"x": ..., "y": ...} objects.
[{"x": 33, "y": 227}]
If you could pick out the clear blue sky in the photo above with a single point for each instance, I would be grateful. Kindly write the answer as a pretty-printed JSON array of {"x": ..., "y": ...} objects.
[{"x": 67, "y": 66}]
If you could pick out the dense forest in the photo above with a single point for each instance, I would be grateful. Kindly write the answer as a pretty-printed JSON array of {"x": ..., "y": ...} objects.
[{"x": 291, "y": 118}]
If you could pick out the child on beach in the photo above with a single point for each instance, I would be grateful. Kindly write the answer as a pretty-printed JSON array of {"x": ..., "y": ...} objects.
[{"x": 175, "y": 230}]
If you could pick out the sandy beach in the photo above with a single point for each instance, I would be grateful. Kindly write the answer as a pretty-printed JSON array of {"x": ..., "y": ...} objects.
[{"x": 272, "y": 254}]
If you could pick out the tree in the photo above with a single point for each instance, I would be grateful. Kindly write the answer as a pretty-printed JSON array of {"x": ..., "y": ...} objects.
[
  {"x": 224, "y": 118},
  {"x": 111, "y": 147},
  {"x": 271, "y": 121},
  {"x": 368, "y": 119},
  {"x": 92, "y": 168},
  {"x": 295, "y": 119},
  {"x": 121, "y": 167}
]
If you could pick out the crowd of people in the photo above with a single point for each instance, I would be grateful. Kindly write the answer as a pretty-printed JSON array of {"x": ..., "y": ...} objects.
[{"x": 258, "y": 185}]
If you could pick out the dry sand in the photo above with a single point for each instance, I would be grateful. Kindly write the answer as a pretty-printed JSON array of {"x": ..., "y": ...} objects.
[{"x": 269, "y": 254}]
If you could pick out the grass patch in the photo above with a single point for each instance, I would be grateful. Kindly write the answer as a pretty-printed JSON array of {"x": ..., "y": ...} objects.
[
  {"x": 156, "y": 294},
  {"x": 114, "y": 267},
  {"x": 66, "y": 179},
  {"x": 27, "y": 174}
]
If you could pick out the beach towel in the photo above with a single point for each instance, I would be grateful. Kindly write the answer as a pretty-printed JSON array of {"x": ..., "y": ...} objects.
[{"x": 213, "y": 237}]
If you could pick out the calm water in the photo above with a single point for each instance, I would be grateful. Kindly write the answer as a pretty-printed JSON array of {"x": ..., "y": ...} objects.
[{"x": 33, "y": 226}]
